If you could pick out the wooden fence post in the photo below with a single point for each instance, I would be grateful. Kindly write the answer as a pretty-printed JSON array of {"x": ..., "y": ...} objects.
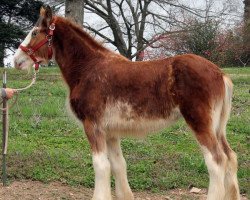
[{"x": 5, "y": 132}]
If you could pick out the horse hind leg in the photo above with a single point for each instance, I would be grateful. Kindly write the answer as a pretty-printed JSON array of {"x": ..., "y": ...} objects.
[
  {"x": 230, "y": 181},
  {"x": 199, "y": 119},
  {"x": 215, "y": 160}
]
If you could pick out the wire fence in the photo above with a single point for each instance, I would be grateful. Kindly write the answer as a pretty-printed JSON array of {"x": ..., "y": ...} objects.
[
  {"x": 40, "y": 102},
  {"x": 38, "y": 94}
]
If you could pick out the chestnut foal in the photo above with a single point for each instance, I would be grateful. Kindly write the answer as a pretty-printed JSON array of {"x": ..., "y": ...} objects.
[{"x": 114, "y": 97}]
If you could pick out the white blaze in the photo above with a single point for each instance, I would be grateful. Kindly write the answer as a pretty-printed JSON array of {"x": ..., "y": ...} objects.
[{"x": 21, "y": 59}]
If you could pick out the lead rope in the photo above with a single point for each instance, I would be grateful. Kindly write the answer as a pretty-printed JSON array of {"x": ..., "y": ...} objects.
[
  {"x": 27, "y": 87},
  {"x": 17, "y": 90}
]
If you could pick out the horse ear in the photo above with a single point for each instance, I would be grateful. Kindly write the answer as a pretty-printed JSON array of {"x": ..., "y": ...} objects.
[{"x": 46, "y": 14}]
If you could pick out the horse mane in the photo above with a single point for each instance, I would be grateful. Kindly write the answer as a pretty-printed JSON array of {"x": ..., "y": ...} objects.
[{"x": 86, "y": 37}]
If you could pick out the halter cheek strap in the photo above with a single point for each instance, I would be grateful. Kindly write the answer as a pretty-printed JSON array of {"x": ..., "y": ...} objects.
[{"x": 48, "y": 39}]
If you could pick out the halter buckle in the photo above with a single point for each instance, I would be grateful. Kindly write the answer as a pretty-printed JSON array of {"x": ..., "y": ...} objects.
[
  {"x": 30, "y": 52},
  {"x": 52, "y": 26},
  {"x": 49, "y": 37}
]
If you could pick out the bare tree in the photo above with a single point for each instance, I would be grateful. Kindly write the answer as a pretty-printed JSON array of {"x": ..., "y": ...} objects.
[
  {"x": 133, "y": 25},
  {"x": 74, "y": 9},
  {"x": 128, "y": 20},
  {"x": 137, "y": 24},
  {"x": 247, "y": 27}
]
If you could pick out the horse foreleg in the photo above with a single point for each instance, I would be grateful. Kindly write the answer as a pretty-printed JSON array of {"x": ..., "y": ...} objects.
[
  {"x": 101, "y": 163},
  {"x": 119, "y": 169}
]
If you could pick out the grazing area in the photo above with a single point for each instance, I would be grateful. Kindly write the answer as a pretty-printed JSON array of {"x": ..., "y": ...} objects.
[{"x": 47, "y": 145}]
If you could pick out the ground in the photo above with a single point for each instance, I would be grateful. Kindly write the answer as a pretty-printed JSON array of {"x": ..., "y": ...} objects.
[{"x": 30, "y": 190}]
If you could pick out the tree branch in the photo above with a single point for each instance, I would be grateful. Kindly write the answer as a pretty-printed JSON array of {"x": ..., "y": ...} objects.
[{"x": 97, "y": 32}]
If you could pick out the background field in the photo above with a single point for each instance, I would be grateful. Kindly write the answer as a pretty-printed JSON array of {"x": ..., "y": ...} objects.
[{"x": 46, "y": 144}]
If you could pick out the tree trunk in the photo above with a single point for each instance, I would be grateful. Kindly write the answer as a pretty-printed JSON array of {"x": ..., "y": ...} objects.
[
  {"x": 140, "y": 43},
  {"x": 74, "y": 10},
  {"x": 247, "y": 27},
  {"x": 2, "y": 55}
]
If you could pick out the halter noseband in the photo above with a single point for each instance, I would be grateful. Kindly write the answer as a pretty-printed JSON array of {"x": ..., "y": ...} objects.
[{"x": 48, "y": 39}]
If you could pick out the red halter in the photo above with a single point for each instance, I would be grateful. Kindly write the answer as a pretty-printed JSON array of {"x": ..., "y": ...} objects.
[{"x": 48, "y": 39}]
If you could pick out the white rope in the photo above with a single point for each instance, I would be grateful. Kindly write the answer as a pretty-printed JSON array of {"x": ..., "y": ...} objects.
[
  {"x": 7, "y": 131},
  {"x": 19, "y": 90},
  {"x": 6, "y": 110},
  {"x": 27, "y": 87}
]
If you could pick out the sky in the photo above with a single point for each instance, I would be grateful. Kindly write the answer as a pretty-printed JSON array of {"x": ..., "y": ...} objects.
[{"x": 235, "y": 12}]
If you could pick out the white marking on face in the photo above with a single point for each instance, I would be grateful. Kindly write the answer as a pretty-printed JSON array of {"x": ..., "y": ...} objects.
[
  {"x": 21, "y": 59},
  {"x": 119, "y": 118},
  {"x": 28, "y": 37}
]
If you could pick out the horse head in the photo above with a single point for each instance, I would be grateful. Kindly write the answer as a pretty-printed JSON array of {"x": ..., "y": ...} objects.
[{"x": 36, "y": 47}]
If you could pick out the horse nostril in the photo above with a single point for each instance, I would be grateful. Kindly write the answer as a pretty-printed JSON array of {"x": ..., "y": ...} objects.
[{"x": 15, "y": 63}]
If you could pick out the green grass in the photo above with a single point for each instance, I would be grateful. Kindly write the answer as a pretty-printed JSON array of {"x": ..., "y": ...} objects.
[{"x": 47, "y": 145}]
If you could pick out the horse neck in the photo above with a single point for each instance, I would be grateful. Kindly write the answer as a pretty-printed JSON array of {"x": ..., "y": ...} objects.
[{"x": 74, "y": 51}]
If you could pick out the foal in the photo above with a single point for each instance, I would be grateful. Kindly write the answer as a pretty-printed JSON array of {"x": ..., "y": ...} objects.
[{"x": 115, "y": 97}]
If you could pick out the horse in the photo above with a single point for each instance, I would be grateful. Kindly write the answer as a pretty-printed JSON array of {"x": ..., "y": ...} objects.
[{"x": 114, "y": 97}]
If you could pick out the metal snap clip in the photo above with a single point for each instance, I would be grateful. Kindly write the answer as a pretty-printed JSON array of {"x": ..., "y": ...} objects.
[{"x": 52, "y": 27}]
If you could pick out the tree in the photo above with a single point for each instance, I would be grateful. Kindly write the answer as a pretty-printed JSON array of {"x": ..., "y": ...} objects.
[
  {"x": 135, "y": 25},
  {"x": 224, "y": 47},
  {"x": 74, "y": 9},
  {"x": 247, "y": 28},
  {"x": 197, "y": 37},
  {"x": 129, "y": 20},
  {"x": 16, "y": 16},
  {"x": 201, "y": 38},
  {"x": 9, "y": 37}
]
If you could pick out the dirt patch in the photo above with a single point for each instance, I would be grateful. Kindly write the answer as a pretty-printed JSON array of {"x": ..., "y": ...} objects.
[{"x": 31, "y": 190}]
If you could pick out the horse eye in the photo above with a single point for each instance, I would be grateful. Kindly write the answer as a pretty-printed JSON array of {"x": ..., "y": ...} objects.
[{"x": 34, "y": 33}]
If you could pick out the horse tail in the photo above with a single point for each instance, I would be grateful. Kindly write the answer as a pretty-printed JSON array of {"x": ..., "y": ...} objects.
[{"x": 226, "y": 106}]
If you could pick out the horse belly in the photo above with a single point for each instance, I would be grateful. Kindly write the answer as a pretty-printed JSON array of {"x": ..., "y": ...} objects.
[{"x": 121, "y": 119}]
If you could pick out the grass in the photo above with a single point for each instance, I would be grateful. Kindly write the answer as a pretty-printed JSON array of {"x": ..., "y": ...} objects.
[{"x": 47, "y": 145}]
